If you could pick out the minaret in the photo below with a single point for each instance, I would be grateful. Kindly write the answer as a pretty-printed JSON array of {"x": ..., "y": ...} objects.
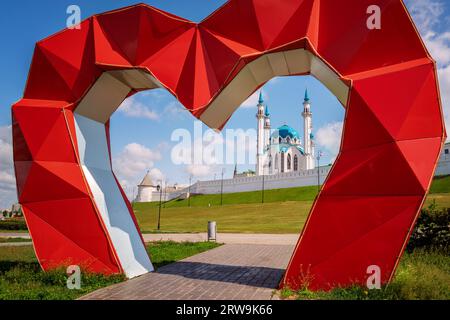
[
  {"x": 260, "y": 136},
  {"x": 266, "y": 127},
  {"x": 307, "y": 132}
]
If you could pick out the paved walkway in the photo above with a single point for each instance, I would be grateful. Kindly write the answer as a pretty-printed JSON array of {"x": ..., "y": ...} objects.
[
  {"x": 227, "y": 238},
  {"x": 15, "y": 244},
  {"x": 232, "y": 271},
  {"x": 24, "y": 235}
]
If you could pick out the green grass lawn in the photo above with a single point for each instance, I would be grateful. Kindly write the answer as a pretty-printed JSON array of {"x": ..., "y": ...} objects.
[
  {"x": 421, "y": 275},
  {"x": 276, "y": 217},
  {"x": 12, "y": 231},
  {"x": 276, "y": 195},
  {"x": 440, "y": 184},
  {"x": 22, "y": 278}
]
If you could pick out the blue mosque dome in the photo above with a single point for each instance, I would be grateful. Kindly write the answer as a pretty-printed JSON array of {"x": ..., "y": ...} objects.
[{"x": 285, "y": 131}]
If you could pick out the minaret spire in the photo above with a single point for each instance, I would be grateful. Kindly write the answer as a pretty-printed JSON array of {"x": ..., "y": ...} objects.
[
  {"x": 260, "y": 100},
  {"x": 306, "y": 95},
  {"x": 308, "y": 143},
  {"x": 260, "y": 118}
]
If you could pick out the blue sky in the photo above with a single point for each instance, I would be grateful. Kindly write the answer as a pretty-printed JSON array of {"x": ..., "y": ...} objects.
[{"x": 141, "y": 130}]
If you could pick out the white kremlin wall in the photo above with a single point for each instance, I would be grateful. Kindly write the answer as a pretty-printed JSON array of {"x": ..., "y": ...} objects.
[
  {"x": 443, "y": 166},
  {"x": 244, "y": 184},
  {"x": 275, "y": 181}
]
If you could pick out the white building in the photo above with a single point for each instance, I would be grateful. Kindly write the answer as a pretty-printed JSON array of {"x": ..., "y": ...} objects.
[
  {"x": 281, "y": 150},
  {"x": 149, "y": 191},
  {"x": 443, "y": 166}
]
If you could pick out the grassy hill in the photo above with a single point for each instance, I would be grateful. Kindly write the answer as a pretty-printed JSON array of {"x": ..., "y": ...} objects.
[
  {"x": 276, "y": 195},
  {"x": 440, "y": 184},
  {"x": 275, "y": 217},
  {"x": 284, "y": 210}
]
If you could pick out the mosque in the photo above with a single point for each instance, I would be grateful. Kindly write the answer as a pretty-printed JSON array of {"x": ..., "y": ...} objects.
[
  {"x": 282, "y": 150},
  {"x": 282, "y": 157}
]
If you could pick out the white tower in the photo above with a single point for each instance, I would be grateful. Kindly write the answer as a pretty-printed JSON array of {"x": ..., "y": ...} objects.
[
  {"x": 266, "y": 128},
  {"x": 260, "y": 136},
  {"x": 308, "y": 143}
]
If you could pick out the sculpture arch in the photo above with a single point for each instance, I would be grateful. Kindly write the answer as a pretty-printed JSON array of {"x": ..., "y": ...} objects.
[{"x": 393, "y": 130}]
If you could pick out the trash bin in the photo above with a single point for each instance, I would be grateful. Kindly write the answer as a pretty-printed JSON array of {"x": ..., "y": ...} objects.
[{"x": 212, "y": 230}]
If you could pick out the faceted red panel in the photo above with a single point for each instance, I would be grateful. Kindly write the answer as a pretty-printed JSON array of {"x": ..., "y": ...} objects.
[
  {"x": 247, "y": 31},
  {"x": 52, "y": 181},
  {"x": 379, "y": 170},
  {"x": 48, "y": 139},
  {"x": 405, "y": 101},
  {"x": 343, "y": 24},
  {"x": 74, "y": 62},
  {"x": 86, "y": 241},
  {"x": 54, "y": 88},
  {"x": 362, "y": 128},
  {"x": 375, "y": 227},
  {"x": 422, "y": 163}
]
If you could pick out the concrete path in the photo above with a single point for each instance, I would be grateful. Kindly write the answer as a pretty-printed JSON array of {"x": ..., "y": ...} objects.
[
  {"x": 229, "y": 272},
  {"x": 15, "y": 244},
  {"x": 24, "y": 235},
  {"x": 227, "y": 238}
]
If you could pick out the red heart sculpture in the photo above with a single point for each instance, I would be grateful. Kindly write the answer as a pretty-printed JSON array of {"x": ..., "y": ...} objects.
[{"x": 393, "y": 131}]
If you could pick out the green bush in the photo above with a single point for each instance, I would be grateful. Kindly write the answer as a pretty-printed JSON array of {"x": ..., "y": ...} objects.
[
  {"x": 13, "y": 224},
  {"x": 432, "y": 230}
]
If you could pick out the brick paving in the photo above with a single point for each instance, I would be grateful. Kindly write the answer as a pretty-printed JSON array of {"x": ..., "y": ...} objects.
[
  {"x": 227, "y": 238},
  {"x": 15, "y": 244},
  {"x": 232, "y": 271}
]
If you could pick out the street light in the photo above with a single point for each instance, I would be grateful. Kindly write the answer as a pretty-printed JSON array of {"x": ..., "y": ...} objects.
[
  {"x": 263, "y": 177},
  {"x": 159, "y": 188},
  {"x": 221, "y": 188},
  {"x": 319, "y": 155},
  {"x": 189, "y": 191},
  {"x": 165, "y": 194}
]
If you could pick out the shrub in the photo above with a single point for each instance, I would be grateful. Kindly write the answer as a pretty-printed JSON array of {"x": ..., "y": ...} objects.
[
  {"x": 432, "y": 230},
  {"x": 13, "y": 224}
]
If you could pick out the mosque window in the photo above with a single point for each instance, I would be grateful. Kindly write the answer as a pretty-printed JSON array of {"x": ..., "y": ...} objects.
[
  {"x": 282, "y": 162},
  {"x": 289, "y": 161},
  {"x": 276, "y": 162},
  {"x": 446, "y": 151},
  {"x": 295, "y": 163}
]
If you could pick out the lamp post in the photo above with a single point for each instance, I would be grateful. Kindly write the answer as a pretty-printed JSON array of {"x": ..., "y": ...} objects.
[
  {"x": 165, "y": 194},
  {"x": 319, "y": 155},
  {"x": 159, "y": 188},
  {"x": 263, "y": 177},
  {"x": 189, "y": 191},
  {"x": 221, "y": 188}
]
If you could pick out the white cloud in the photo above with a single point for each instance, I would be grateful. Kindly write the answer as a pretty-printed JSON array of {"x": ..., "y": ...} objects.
[
  {"x": 136, "y": 109},
  {"x": 199, "y": 170},
  {"x": 131, "y": 164},
  {"x": 175, "y": 109},
  {"x": 252, "y": 101},
  {"x": 427, "y": 15},
  {"x": 7, "y": 180},
  {"x": 329, "y": 138}
]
